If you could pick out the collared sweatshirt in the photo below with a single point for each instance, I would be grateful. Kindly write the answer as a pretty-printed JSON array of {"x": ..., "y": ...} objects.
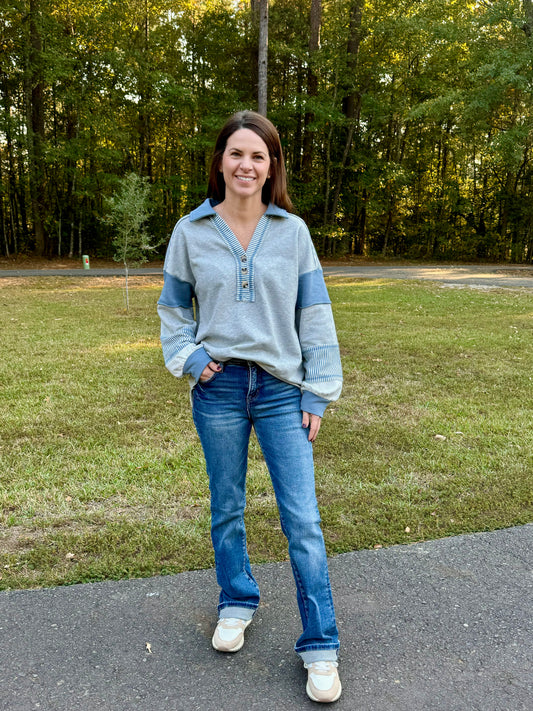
[{"x": 268, "y": 304}]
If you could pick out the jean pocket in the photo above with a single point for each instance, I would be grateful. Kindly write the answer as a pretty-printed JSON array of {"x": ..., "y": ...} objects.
[{"x": 206, "y": 383}]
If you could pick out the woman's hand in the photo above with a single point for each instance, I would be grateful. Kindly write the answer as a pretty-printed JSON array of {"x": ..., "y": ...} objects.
[
  {"x": 313, "y": 423},
  {"x": 210, "y": 369}
]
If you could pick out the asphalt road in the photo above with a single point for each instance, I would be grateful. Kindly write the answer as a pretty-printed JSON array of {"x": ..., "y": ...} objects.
[
  {"x": 438, "y": 626},
  {"x": 473, "y": 275}
]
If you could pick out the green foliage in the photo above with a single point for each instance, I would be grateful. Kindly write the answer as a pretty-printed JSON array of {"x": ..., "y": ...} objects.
[
  {"x": 129, "y": 212},
  {"x": 441, "y": 98}
]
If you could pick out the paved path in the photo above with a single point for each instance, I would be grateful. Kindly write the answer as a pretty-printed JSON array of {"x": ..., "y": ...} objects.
[
  {"x": 438, "y": 626},
  {"x": 476, "y": 275}
]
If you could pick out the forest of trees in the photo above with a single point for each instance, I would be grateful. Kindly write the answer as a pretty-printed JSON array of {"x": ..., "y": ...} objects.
[{"x": 407, "y": 125}]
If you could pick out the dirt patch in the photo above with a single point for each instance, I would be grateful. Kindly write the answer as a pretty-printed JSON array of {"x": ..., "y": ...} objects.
[{"x": 20, "y": 539}]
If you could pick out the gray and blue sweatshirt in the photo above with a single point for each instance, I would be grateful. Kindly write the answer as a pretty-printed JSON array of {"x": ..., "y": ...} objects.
[{"x": 268, "y": 304}]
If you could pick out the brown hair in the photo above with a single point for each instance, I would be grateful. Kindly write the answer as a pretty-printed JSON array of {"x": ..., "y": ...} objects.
[{"x": 275, "y": 188}]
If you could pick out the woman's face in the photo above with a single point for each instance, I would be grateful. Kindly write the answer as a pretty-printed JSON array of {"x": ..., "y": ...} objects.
[{"x": 245, "y": 164}]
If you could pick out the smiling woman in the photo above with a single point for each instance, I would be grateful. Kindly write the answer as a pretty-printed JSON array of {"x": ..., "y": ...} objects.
[
  {"x": 246, "y": 314},
  {"x": 245, "y": 168},
  {"x": 275, "y": 187}
]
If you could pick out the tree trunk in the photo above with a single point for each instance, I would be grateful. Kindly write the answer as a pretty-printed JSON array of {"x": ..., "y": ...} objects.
[
  {"x": 315, "y": 19},
  {"x": 295, "y": 164},
  {"x": 144, "y": 122},
  {"x": 3, "y": 226},
  {"x": 262, "y": 60},
  {"x": 35, "y": 122},
  {"x": 504, "y": 222},
  {"x": 528, "y": 12},
  {"x": 388, "y": 228},
  {"x": 352, "y": 102},
  {"x": 15, "y": 225}
]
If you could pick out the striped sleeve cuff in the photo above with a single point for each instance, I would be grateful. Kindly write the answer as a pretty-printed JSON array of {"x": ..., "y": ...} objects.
[{"x": 196, "y": 362}]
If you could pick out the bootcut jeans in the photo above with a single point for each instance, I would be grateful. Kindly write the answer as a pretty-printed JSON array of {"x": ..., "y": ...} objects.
[{"x": 225, "y": 409}]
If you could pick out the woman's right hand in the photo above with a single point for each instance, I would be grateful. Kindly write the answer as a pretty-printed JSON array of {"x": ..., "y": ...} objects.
[{"x": 210, "y": 369}]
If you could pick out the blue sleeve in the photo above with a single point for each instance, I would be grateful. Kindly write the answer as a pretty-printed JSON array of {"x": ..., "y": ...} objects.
[
  {"x": 314, "y": 404},
  {"x": 196, "y": 362}
]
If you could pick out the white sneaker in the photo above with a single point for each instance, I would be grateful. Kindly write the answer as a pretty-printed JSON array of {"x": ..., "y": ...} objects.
[
  {"x": 229, "y": 634},
  {"x": 323, "y": 683}
]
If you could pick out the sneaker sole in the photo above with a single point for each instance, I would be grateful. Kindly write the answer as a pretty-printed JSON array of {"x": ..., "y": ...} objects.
[
  {"x": 233, "y": 649},
  {"x": 310, "y": 694}
]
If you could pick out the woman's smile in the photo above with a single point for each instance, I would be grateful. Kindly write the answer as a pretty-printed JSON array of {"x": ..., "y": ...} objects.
[{"x": 245, "y": 164}]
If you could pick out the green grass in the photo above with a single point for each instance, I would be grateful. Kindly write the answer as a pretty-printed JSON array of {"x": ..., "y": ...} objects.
[{"x": 101, "y": 471}]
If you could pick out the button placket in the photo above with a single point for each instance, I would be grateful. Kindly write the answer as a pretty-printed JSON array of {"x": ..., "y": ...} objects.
[
  {"x": 244, "y": 264},
  {"x": 244, "y": 273}
]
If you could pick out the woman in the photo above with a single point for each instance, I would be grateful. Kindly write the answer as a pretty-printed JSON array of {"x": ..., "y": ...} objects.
[{"x": 246, "y": 315}]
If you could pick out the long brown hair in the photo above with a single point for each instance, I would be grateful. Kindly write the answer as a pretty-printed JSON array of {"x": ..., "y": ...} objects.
[{"x": 275, "y": 188}]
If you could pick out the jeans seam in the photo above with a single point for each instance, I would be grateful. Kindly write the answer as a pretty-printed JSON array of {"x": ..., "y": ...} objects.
[{"x": 296, "y": 572}]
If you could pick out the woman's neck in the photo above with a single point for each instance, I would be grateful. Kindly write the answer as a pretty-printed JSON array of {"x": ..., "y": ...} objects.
[
  {"x": 242, "y": 211},
  {"x": 242, "y": 217}
]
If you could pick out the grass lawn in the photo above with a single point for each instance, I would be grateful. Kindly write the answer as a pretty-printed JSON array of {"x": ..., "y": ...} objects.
[{"x": 102, "y": 474}]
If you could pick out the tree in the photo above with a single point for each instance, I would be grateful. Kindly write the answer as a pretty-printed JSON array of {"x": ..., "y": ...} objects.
[
  {"x": 35, "y": 125},
  {"x": 262, "y": 84},
  {"x": 407, "y": 127},
  {"x": 129, "y": 212},
  {"x": 352, "y": 96},
  {"x": 315, "y": 18}
]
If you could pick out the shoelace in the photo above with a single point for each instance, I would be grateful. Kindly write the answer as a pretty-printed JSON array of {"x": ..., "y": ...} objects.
[
  {"x": 321, "y": 666},
  {"x": 231, "y": 622}
]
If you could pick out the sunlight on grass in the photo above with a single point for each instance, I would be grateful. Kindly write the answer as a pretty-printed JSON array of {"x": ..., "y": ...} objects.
[
  {"x": 125, "y": 347},
  {"x": 102, "y": 473}
]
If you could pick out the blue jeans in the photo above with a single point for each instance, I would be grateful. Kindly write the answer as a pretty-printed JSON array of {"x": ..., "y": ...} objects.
[{"x": 224, "y": 411}]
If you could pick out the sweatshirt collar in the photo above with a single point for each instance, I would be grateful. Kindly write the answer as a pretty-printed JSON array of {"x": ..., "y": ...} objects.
[{"x": 206, "y": 209}]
